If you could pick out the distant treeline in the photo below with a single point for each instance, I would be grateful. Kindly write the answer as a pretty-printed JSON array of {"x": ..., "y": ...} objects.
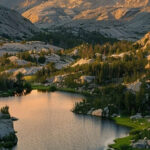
[{"x": 68, "y": 39}]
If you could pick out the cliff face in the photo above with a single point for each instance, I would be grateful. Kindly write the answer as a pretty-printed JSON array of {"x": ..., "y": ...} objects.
[{"x": 122, "y": 19}]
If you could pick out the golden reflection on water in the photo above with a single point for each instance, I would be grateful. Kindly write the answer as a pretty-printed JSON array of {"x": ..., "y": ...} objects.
[{"x": 46, "y": 123}]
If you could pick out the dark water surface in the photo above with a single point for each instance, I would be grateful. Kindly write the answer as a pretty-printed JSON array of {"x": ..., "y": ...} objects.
[{"x": 46, "y": 123}]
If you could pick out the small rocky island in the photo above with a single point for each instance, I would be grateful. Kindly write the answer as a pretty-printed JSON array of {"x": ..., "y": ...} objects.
[{"x": 8, "y": 138}]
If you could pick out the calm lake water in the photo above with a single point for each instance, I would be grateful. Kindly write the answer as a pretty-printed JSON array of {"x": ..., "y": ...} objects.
[{"x": 46, "y": 123}]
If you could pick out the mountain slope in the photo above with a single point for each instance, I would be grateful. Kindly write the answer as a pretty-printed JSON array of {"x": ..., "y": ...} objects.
[
  {"x": 122, "y": 19},
  {"x": 12, "y": 24}
]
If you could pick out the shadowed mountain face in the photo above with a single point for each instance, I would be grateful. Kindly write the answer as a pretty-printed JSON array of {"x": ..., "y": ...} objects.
[
  {"x": 12, "y": 24},
  {"x": 122, "y": 19}
]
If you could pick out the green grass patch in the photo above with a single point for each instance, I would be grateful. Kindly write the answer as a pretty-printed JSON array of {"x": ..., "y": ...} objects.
[
  {"x": 44, "y": 88},
  {"x": 7, "y": 93},
  {"x": 40, "y": 87},
  {"x": 139, "y": 124},
  {"x": 51, "y": 88},
  {"x": 138, "y": 127},
  {"x": 122, "y": 143}
]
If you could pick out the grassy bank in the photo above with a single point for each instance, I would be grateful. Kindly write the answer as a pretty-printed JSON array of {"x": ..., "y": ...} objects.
[
  {"x": 53, "y": 88},
  {"x": 70, "y": 90},
  {"x": 44, "y": 88},
  {"x": 7, "y": 93},
  {"x": 40, "y": 87},
  {"x": 139, "y": 130}
]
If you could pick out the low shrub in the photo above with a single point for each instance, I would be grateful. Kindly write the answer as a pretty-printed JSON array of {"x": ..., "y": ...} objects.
[{"x": 5, "y": 110}]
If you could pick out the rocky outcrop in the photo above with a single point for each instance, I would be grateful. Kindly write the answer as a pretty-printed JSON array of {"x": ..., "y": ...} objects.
[
  {"x": 97, "y": 112},
  {"x": 121, "y": 55},
  {"x": 25, "y": 71},
  {"x": 7, "y": 133},
  {"x": 145, "y": 41},
  {"x": 135, "y": 87},
  {"x": 147, "y": 66},
  {"x": 60, "y": 62},
  {"x": 6, "y": 128},
  {"x": 34, "y": 47},
  {"x": 75, "y": 52},
  {"x": 16, "y": 60},
  {"x": 31, "y": 46},
  {"x": 87, "y": 79},
  {"x": 56, "y": 79},
  {"x": 137, "y": 116},
  {"x": 83, "y": 62},
  {"x": 141, "y": 144}
]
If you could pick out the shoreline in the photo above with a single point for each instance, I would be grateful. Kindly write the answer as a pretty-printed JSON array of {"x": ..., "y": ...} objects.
[
  {"x": 120, "y": 121},
  {"x": 7, "y": 93},
  {"x": 8, "y": 138},
  {"x": 136, "y": 126},
  {"x": 70, "y": 90}
]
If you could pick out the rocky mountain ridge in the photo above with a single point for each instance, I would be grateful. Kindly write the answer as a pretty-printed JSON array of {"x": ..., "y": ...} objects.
[{"x": 122, "y": 19}]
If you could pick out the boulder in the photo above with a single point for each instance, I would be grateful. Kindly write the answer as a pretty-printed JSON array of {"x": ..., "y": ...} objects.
[
  {"x": 114, "y": 115},
  {"x": 98, "y": 54},
  {"x": 97, "y": 112},
  {"x": 83, "y": 62},
  {"x": 7, "y": 132},
  {"x": 147, "y": 66},
  {"x": 135, "y": 87},
  {"x": 141, "y": 144},
  {"x": 6, "y": 127},
  {"x": 16, "y": 60},
  {"x": 87, "y": 79},
  {"x": 137, "y": 116},
  {"x": 56, "y": 79}
]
